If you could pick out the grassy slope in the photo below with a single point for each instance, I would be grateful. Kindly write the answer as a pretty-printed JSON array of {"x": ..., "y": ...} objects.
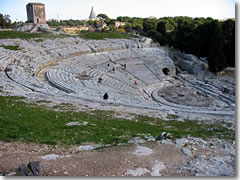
[
  {"x": 25, "y": 35},
  {"x": 85, "y": 35},
  {"x": 21, "y": 35},
  {"x": 20, "y": 121},
  {"x": 103, "y": 35}
]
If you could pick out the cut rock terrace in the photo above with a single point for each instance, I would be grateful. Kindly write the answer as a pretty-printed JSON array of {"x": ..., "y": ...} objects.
[{"x": 131, "y": 71}]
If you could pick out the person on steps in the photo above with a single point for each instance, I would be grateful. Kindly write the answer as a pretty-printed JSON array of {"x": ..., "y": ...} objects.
[
  {"x": 99, "y": 80},
  {"x": 105, "y": 96}
]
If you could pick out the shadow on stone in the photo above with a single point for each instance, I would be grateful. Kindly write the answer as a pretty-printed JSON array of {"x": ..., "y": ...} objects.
[{"x": 33, "y": 166}]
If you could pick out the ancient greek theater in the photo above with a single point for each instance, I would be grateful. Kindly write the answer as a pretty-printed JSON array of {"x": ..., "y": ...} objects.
[
  {"x": 138, "y": 92},
  {"x": 135, "y": 73}
]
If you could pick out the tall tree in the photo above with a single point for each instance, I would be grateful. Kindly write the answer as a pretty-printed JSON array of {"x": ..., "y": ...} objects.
[
  {"x": 5, "y": 21},
  {"x": 2, "y": 21},
  {"x": 232, "y": 48},
  {"x": 149, "y": 24},
  {"x": 161, "y": 27},
  {"x": 157, "y": 36},
  {"x": 103, "y": 16},
  {"x": 216, "y": 58},
  {"x": 229, "y": 32}
]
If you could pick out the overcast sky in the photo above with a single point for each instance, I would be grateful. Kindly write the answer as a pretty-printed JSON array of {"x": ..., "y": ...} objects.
[{"x": 80, "y": 9}]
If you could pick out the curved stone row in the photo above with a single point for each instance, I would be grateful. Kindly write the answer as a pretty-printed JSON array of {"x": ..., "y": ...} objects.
[
  {"x": 130, "y": 71},
  {"x": 210, "y": 89},
  {"x": 116, "y": 82},
  {"x": 67, "y": 82},
  {"x": 165, "y": 102}
]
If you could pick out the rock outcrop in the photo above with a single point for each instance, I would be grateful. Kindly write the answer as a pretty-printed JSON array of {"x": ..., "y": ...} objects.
[{"x": 30, "y": 27}]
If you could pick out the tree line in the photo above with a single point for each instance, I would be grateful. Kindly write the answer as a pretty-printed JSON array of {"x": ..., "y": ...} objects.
[{"x": 203, "y": 37}]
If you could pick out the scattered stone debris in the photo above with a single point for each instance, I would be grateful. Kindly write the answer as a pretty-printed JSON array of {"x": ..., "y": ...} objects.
[
  {"x": 89, "y": 147},
  {"x": 212, "y": 166},
  {"x": 149, "y": 138},
  {"x": 77, "y": 124},
  {"x": 65, "y": 156},
  {"x": 86, "y": 148},
  {"x": 209, "y": 157},
  {"x": 11, "y": 174},
  {"x": 166, "y": 141},
  {"x": 137, "y": 140},
  {"x": 50, "y": 157},
  {"x": 137, "y": 172},
  {"x": 181, "y": 142},
  {"x": 73, "y": 124},
  {"x": 142, "y": 151},
  {"x": 158, "y": 166},
  {"x": 164, "y": 136},
  {"x": 186, "y": 151}
]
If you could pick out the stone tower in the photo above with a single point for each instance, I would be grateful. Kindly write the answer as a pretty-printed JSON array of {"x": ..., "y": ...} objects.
[
  {"x": 92, "y": 15},
  {"x": 36, "y": 13}
]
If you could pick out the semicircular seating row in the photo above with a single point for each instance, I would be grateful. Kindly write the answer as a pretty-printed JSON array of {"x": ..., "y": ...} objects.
[
  {"x": 143, "y": 66},
  {"x": 119, "y": 82}
]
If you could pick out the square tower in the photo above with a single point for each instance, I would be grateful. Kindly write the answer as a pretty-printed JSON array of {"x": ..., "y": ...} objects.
[{"x": 36, "y": 13}]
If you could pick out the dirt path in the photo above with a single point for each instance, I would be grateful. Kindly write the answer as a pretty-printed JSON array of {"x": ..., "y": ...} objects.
[{"x": 146, "y": 159}]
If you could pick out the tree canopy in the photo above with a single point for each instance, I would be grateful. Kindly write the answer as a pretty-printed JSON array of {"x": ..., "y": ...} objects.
[
  {"x": 203, "y": 37},
  {"x": 5, "y": 21},
  {"x": 103, "y": 16}
]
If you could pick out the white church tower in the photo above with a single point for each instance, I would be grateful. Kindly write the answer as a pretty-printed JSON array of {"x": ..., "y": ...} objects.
[{"x": 92, "y": 15}]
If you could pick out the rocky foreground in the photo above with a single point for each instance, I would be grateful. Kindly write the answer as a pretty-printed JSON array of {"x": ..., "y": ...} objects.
[{"x": 181, "y": 157}]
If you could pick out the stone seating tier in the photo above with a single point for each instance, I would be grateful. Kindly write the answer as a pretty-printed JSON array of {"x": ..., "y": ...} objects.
[{"x": 65, "y": 61}]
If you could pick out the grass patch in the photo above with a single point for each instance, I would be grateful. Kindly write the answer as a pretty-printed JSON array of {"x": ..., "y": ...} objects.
[
  {"x": 15, "y": 48},
  {"x": 39, "y": 37},
  {"x": 103, "y": 35},
  {"x": 43, "y": 101},
  {"x": 21, "y": 35},
  {"x": 172, "y": 116},
  {"x": 26, "y": 35},
  {"x": 64, "y": 107},
  {"x": 39, "y": 40},
  {"x": 194, "y": 128},
  {"x": 21, "y": 121}
]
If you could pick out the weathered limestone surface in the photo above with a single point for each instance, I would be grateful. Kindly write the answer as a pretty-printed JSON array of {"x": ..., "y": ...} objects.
[{"x": 131, "y": 72}]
